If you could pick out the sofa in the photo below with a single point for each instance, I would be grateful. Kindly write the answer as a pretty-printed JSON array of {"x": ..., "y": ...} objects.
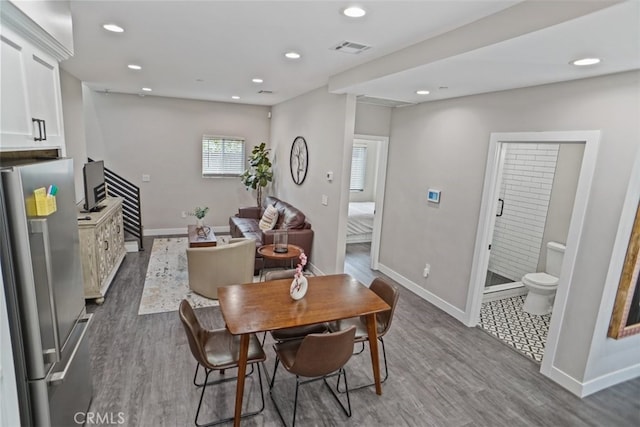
[{"x": 245, "y": 224}]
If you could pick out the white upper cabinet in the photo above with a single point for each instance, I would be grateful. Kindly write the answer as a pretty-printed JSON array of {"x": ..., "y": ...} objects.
[
  {"x": 30, "y": 101},
  {"x": 34, "y": 36}
]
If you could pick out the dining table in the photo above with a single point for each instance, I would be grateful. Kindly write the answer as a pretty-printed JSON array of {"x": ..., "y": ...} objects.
[{"x": 266, "y": 306}]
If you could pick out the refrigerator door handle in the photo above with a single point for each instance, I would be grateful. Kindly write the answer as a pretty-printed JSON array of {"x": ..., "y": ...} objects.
[
  {"x": 59, "y": 377},
  {"x": 51, "y": 355}
]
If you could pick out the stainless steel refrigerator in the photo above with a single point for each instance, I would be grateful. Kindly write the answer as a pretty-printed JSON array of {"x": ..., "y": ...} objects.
[{"x": 42, "y": 275}]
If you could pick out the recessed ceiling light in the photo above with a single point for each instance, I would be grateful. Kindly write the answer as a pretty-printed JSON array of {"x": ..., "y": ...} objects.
[
  {"x": 113, "y": 28},
  {"x": 235, "y": 97},
  {"x": 134, "y": 67},
  {"x": 146, "y": 89},
  {"x": 422, "y": 92},
  {"x": 257, "y": 80},
  {"x": 292, "y": 55},
  {"x": 354, "y": 12},
  {"x": 585, "y": 61}
]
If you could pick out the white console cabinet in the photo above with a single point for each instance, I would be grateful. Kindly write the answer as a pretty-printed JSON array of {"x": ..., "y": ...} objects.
[{"x": 101, "y": 247}]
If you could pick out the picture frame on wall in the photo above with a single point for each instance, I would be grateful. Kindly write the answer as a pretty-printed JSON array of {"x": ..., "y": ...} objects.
[{"x": 625, "y": 319}]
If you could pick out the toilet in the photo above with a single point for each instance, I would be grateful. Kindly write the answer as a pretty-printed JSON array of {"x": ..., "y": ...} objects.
[{"x": 542, "y": 286}]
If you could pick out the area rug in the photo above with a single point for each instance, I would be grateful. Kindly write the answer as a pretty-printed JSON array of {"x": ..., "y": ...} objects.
[{"x": 167, "y": 281}]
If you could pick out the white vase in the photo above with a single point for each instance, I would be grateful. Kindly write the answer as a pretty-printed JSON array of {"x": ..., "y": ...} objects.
[
  {"x": 199, "y": 222},
  {"x": 298, "y": 287}
]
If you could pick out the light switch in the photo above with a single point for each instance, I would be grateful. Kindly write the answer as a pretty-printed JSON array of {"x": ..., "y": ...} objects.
[
  {"x": 325, "y": 200},
  {"x": 146, "y": 178}
]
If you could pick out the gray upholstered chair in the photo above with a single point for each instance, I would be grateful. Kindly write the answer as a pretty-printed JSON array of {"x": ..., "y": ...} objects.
[
  {"x": 212, "y": 267},
  {"x": 317, "y": 357},
  {"x": 217, "y": 350},
  {"x": 296, "y": 332},
  {"x": 390, "y": 294}
]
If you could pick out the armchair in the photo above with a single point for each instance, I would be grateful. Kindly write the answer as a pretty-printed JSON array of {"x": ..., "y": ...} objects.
[{"x": 212, "y": 267}]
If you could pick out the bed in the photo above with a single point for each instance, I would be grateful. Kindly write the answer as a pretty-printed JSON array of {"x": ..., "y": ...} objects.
[{"x": 360, "y": 222}]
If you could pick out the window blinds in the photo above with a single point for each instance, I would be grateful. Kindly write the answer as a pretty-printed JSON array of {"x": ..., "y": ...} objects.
[
  {"x": 358, "y": 167},
  {"x": 222, "y": 156}
]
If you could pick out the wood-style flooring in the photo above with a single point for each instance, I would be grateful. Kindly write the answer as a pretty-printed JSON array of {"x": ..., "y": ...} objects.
[{"x": 441, "y": 372}]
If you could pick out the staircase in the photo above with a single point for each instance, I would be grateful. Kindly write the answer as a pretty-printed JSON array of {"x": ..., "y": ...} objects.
[{"x": 117, "y": 186}]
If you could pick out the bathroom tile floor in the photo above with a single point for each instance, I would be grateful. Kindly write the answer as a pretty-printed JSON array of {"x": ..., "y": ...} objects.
[{"x": 504, "y": 319}]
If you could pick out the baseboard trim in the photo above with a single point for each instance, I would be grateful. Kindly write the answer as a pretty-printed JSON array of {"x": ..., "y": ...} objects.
[
  {"x": 610, "y": 379},
  {"x": 223, "y": 229},
  {"x": 451, "y": 310},
  {"x": 583, "y": 389}
]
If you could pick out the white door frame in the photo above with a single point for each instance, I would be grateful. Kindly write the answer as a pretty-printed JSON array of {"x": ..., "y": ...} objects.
[
  {"x": 488, "y": 206},
  {"x": 381, "y": 180}
]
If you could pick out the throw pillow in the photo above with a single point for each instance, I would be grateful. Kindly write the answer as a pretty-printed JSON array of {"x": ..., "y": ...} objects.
[{"x": 269, "y": 218}]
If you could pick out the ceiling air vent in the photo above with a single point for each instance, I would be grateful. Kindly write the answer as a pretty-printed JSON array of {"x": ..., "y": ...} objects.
[
  {"x": 350, "y": 47},
  {"x": 265, "y": 92}
]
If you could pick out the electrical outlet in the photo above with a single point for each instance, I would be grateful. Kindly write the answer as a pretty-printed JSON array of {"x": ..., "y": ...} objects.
[
  {"x": 325, "y": 200},
  {"x": 146, "y": 178},
  {"x": 426, "y": 271},
  {"x": 183, "y": 214}
]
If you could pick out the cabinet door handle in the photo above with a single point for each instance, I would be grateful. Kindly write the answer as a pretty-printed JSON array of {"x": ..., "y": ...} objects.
[
  {"x": 44, "y": 130},
  {"x": 106, "y": 245},
  {"x": 37, "y": 138}
]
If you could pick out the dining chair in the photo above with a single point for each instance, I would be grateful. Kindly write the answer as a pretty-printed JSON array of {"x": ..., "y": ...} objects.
[
  {"x": 295, "y": 332},
  {"x": 317, "y": 357},
  {"x": 212, "y": 267},
  {"x": 217, "y": 350},
  {"x": 390, "y": 294}
]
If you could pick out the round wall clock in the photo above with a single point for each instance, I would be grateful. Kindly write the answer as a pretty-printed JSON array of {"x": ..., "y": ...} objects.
[{"x": 299, "y": 160}]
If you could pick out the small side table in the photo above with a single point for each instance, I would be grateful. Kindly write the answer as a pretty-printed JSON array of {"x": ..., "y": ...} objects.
[
  {"x": 197, "y": 239},
  {"x": 267, "y": 251}
]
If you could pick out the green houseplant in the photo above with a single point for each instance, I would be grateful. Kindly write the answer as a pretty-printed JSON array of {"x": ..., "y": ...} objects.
[
  {"x": 259, "y": 173},
  {"x": 199, "y": 213}
]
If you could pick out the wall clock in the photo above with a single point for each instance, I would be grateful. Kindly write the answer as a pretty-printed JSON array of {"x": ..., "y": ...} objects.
[{"x": 299, "y": 160}]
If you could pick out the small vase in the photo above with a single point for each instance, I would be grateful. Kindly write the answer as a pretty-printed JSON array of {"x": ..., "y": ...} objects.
[
  {"x": 298, "y": 287},
  {"x": 199, "y": 222}
]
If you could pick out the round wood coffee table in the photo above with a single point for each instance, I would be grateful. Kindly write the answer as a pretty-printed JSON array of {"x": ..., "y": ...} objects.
[{"x": 293, "y": 252}]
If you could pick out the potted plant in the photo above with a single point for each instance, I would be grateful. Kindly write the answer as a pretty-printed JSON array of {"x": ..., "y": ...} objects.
[
  {"x": 259, "y": 173},
  {"x": 199, "y": 213}
]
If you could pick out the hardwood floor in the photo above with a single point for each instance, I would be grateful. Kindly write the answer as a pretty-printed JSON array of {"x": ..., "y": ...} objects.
[{"x": 441, "y": 373}]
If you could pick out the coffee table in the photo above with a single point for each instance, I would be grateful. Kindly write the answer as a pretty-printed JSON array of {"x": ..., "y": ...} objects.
[{"x": 198, "y": 239}]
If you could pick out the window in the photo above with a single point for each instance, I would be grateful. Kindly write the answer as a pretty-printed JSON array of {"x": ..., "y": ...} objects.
[
  {"x": 358, "y": 167},
  {"x": 222, "y": 156}
]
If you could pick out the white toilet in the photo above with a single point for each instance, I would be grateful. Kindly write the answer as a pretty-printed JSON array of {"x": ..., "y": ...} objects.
[{"x": 542, "y": 286}]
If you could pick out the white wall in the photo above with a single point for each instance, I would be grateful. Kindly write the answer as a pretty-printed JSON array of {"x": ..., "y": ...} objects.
[
  {"x": 372, "y": 119},
  {"x": 74, "y": 130},
  {"x": 444, "y": 145},
  {"x": 563, "y": 196},
  {"x": 326, "y": 122},
  {"x": 162, "y": 137}
]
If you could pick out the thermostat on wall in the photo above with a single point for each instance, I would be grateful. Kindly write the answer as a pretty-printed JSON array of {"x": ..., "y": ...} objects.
[{"x": 433, "y": 195}]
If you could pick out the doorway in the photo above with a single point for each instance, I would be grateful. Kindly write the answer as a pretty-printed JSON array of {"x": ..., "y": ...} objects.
[
  {"x": 490, "y": 206},
  {"x": 366, "y": 202}
]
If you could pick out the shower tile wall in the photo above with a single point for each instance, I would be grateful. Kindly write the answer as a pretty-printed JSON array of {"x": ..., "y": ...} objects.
[{"x": 526, "y": 190}]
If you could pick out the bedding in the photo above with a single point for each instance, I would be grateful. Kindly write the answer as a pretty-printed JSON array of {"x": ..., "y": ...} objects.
[{"x": 360, "y": 222}]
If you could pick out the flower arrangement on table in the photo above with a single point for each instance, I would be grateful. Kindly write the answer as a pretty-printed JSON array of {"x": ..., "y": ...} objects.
[
  {"x": 297, "y": 282},
  {"x": 200, "y": 213}
]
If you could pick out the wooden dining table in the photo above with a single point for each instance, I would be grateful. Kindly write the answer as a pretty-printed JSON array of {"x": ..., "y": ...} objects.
[{"x": 267, "y": 306}]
